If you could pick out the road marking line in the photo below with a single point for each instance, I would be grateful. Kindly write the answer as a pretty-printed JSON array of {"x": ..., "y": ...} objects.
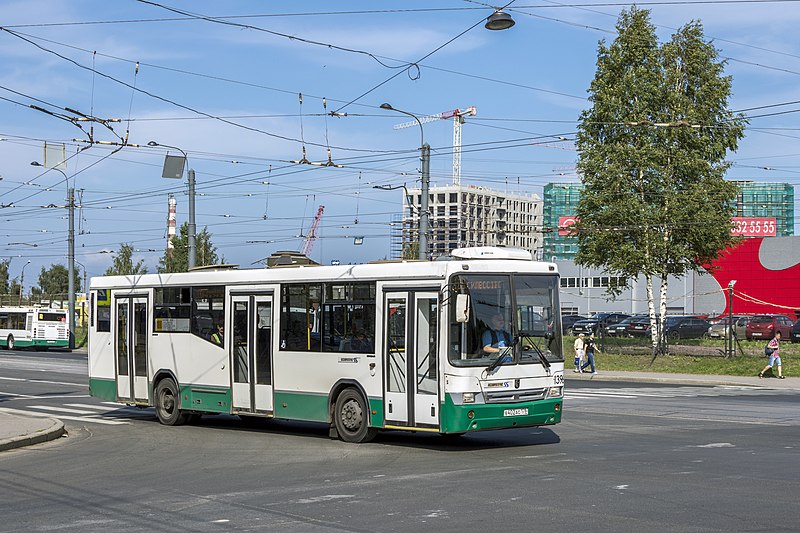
[
  {"x": 61, "y": 409},
  {"x": 63, "y": 417},
  {"x": 46, "y": 381}
]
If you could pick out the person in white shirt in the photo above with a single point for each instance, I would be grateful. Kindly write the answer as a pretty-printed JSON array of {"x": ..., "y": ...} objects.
[{"x": 579, "y": 346}]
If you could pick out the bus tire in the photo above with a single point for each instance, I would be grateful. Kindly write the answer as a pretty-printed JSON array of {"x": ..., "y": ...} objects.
[
  {"x": 168, "y": 402},
  {"x": 10, "y": 342},
  {"x": 351, "y": 417}
]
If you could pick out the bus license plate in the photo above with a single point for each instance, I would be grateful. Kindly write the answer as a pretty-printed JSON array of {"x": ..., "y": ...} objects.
[{"x": 515, "y": 412}]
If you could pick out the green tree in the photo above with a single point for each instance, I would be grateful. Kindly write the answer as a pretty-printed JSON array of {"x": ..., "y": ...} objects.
[
  {"x": 123, "y": 263},
  {"x": 4, "y": 288},
  {"x": 652, "y": 153},
  {"x": 177, "y": 260},
  {"x": 55, "y": 280}
]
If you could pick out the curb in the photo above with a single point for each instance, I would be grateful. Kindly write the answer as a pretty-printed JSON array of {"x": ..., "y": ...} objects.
[
  {"x": 56, "y": 430},
  {"x": 659, "y": 379}
]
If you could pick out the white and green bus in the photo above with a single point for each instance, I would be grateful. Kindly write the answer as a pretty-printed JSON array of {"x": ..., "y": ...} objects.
[
  {"x": 362, "y": 348},
  {"x": 36, "y": 327}
]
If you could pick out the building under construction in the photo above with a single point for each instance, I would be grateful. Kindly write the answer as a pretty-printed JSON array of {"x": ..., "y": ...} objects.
[{"x": 463, "y": 216}]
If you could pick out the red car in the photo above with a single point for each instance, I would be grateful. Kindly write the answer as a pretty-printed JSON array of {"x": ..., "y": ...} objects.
[{"x": 765, "y": 326}]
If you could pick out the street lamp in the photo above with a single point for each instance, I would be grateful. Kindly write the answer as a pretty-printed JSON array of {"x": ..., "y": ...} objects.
[
  {"x": 22, "y": 280},
  {"x": 426, "y": 178},
  {"x": 70, "y": 253},
  {"x": 499, "y": 20},
  {"x": 173, "y": 171},
  {"x": 731, "y": 328}
]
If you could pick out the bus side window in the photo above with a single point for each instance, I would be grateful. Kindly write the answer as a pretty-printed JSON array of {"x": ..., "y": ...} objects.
[{"x": 103, "y": 301}]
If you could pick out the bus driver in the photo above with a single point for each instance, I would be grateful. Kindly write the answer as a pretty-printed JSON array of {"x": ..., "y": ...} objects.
[{"x": 496, "y": 337}]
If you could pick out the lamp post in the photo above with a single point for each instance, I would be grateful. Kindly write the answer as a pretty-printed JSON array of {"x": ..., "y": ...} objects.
[
  {"x": 22, "y": 280},
  {"x": 731, "y": 328},
  {"x": 70, "y": 253},
  {"x": 191, "y": 260},
  {"x": 426, "y": 178}
]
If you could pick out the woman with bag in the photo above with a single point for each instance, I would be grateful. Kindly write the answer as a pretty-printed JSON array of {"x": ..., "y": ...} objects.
[{"x": 774, "y": 355}]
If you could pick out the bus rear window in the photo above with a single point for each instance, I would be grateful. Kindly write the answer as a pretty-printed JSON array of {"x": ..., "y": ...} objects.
[{"x": 52, "y": 317}]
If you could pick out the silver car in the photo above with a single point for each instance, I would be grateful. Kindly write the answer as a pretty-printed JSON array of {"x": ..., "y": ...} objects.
[{"x": 720, "y": 329}]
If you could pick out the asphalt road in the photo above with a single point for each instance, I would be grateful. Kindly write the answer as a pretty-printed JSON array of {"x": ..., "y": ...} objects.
[{"x": 627, "y": 457}]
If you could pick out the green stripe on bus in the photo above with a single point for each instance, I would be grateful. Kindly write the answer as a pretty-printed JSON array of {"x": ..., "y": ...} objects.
[
  {"x": 105, "y": 389},
  {"x": 312, "y": 407},
  {"x": 208, "y": 399},
  {"x": 456, "y": 419}
]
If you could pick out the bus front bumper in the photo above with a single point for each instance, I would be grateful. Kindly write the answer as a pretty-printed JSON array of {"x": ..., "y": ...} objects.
[{"x": 481, "y": 417}]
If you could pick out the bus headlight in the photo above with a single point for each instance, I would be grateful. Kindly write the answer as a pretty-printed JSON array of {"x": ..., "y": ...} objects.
[
  {"x": 555, "y": 392},
  {"x": 469, "y": 397}
]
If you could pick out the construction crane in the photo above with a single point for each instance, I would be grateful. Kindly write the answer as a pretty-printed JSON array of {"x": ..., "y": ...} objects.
[
  {"x": 458, "y": 119},
  {"x": 308, "y": 244}
]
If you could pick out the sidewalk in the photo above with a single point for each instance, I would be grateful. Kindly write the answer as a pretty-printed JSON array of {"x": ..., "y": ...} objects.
[
  {"x": 687, "y": 379},
  {"x": 17, "y": 431}
]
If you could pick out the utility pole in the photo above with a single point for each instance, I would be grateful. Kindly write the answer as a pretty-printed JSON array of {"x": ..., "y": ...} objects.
[
  {"x": 192, "y": 260},
  {"x": 71, "y": 264},
  {"x": 426, "y": 180},
  {"x": 423, "y": 215},
  {"x": 70, "y": 253}
]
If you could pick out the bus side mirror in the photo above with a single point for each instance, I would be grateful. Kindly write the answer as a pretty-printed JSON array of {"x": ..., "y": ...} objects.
[{"x": 462, "y": 308}]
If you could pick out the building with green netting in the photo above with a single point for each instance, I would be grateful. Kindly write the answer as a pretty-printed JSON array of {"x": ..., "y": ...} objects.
[{"x": 756, "y": 200}]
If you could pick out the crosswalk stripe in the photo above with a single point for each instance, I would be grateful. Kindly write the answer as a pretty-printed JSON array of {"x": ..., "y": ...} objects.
[
  {"x": 63, "y": 417},
  {"x": 62, "y": 409}
]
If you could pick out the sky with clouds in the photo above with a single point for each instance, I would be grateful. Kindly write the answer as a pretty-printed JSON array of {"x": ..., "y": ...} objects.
[{"x": 221, "y": 81}]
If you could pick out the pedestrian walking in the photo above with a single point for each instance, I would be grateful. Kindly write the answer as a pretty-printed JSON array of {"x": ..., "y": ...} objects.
[
  {"x": 579, "y": 346},
  {"x": 773, "y": 350},
  {"x": 589, "y": 348}
]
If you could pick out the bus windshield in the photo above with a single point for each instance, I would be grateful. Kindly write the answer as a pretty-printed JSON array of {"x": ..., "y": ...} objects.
[{"x": 511, "y": 319}]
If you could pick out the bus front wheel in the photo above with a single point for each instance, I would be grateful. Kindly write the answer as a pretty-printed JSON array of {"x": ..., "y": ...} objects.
[
  {"x": 351, "y": 417},
  {"x": 168, "y": 400},
  {"x": 10, "y": 342}
]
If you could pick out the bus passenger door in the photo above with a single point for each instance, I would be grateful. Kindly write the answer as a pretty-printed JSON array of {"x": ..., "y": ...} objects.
[
  {"x": 411, "y": 383},
  {"x": 131, "y": 348},
  {"x": 251, "y": 353}
]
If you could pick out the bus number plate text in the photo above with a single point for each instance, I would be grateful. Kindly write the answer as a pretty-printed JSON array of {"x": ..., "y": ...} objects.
[{"x": 515, "y": 412}]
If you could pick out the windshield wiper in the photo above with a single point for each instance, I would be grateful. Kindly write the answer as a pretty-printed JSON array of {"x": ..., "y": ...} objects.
[
  {"x": 542, "y": 356},
  {"x": 496, "y": 362}
]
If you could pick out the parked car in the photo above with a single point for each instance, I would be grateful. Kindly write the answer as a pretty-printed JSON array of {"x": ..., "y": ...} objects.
[
  {"x": 765, "y": 326},
  {"x": 567, "y": 322},
  {"x": 719, "y": 328},
  {"x": 620, "y": 329},
  {"x": 685, "y": 327},
  {"x": 740, "y": 326},
  {"x": 594, "y": 323},
  {"x": 639, "y": 327},
  {"x": 795, "y": 332}
]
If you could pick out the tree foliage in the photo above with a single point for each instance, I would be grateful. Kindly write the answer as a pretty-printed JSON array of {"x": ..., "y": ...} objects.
[
  {"x": 123, "y": 263},
  {"x": 177, "y": 259},
  {"x": 55, "y": 280},
  {"x": 4, "y": 287},
  {"x": 652, "y": 153}
]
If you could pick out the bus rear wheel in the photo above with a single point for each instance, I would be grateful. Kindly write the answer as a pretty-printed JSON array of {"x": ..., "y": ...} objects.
[
  {"x": 168, "y": 402},
  {"x": 351, "y": 417},
  {"x": 10, "y": 342}
]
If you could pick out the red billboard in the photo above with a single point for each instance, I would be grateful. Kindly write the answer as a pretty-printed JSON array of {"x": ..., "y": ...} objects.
[{"x": 753, "y": 227}]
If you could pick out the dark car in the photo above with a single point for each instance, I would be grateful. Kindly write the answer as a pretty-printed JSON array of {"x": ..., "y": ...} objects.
[
  {"x": 620, "y": 329},
  {"x": 567, "y": 322},
  {"x": 639, "y": 327},
  {"x": 595, "y": 323},
  {"x": 765, "y": 326},
  {"x": 685, "y": 327},
  {"x": 796, "y": 332}
]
